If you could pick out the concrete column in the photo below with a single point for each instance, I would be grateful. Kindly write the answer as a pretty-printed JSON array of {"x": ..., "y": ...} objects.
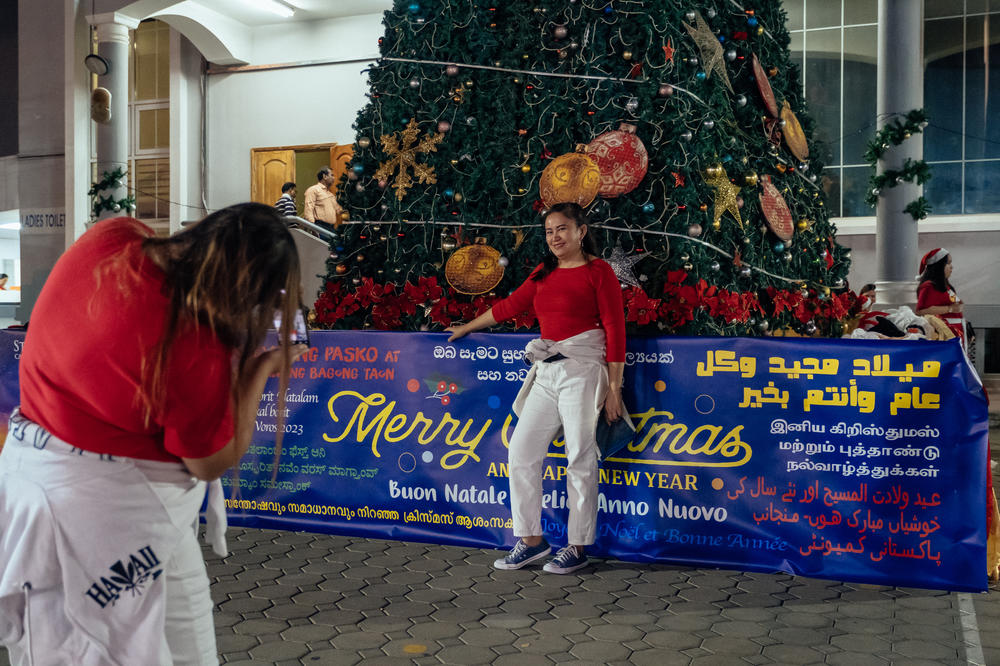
[
  {"x": 900, "y": 89},
  {"x": 112, "y": 138}
]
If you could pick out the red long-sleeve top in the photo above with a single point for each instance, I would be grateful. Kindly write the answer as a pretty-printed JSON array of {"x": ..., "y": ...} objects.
[{"x": 570, "y": 301}]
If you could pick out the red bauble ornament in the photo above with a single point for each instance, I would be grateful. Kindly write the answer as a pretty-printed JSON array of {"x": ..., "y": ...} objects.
[{"x": 622, "y": 159}]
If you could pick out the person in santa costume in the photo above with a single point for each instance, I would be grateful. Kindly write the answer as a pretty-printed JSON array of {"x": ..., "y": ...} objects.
[{"x": 935, "y": 295}]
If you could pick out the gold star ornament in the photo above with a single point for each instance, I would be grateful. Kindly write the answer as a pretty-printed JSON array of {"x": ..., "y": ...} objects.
[
  {"x": 711, "y": 50},
  {"x": 402, "y": 149},
  {"x": 726, "y": 194}
]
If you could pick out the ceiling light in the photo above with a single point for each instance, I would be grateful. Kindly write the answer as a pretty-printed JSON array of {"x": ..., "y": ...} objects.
[{"x": 275, "y": 7}]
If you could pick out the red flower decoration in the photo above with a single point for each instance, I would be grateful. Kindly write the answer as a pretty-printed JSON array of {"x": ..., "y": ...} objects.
[
  {"x": 425, "y": 290},
  {"x": 639, "y": 307}
]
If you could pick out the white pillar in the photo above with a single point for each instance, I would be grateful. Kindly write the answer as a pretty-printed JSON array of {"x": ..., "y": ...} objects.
[
  {"x": 900, "y": 89},
  {"x": 112, "y": 138}
]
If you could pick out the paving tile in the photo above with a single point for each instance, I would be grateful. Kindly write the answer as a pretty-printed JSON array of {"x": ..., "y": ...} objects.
[
  {"x": 739, "y": 629},
  {"x": 466, "y": 655},
  {"x": 273, "y": 651},
  {"x": 600, "y": 651},
  {"x": 861, "y": 643},
  {"x": 675, "y": 640},
  {"x": 614, "y": 632},
  {"x": 733, "y": 647},
  {"x": 359, "y": 640},
  {"x": 792, "y": 654},
  {"x": 260, "y": 626},
  {"x": 520, "y": 659},
  {"x": 309, "y": 633},
  {"x": 856, "y": 625},
  {"x": 659, "y": 657},
  {"x": 856, "y": 659},
  {"x": 924, "y": 650}
]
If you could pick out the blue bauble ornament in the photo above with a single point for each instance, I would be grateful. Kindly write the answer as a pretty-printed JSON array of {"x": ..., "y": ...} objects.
[
  {"x": 701, "y": 76},
  {"x": 648, "y": 208},
  {"x": 609, "y": 9},
  {"x": 414, "y": 7},
  {"x": 358, "y": 169},
  {"x": 449, "y": 193},
  {"x": 722, "y": 39},
  {"x": 779, "y": 247},
  {"x": 752, "y": 21}
]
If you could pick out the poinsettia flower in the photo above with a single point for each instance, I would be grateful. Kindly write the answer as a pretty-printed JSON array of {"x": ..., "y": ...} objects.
[
  {"x": 439, "y": 313},
  {"x": 523, "y": 320},
  {"x": 640, "y": 308},
  {"x": 424, "y": 291},
  {"x": 370, "y": 292},
  {"x": 386, "y": 315}
]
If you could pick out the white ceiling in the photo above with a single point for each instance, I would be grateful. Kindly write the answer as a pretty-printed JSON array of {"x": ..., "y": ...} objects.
[{"x": 247, "y": 13}]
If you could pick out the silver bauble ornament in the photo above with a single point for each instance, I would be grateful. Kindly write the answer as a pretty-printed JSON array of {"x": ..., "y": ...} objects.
[{"x": 364, "y": 142}]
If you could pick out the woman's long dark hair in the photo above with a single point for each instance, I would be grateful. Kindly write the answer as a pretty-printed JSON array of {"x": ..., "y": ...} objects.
[
  {"x": 576, "y": 213},
  {"x": 934, "y": 273},
  {"x": 229, "y": 272}
]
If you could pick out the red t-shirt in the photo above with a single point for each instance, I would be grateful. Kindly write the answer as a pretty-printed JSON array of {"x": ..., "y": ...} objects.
[
  {"x": 99, "y": 315},
  {"x": 570, "y": 301}
]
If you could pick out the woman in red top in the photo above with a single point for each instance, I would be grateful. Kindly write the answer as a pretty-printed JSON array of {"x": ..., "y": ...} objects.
[
  {"x": 576, "y": 374},
  {"x": 936, "y": 296},
  {"x": 140, "y": 380}
]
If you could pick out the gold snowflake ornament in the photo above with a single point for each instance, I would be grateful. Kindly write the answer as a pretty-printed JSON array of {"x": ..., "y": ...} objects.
[{"x": 402, "y": 149}]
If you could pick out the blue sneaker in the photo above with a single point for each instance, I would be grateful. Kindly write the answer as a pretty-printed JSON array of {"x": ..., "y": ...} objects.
[
  {"x": 567, "y": 560},
  {"x": 522, "y": 555}
]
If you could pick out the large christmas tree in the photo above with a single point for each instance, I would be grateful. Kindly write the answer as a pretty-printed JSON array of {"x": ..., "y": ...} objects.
[{"x": 680, "y": 125}]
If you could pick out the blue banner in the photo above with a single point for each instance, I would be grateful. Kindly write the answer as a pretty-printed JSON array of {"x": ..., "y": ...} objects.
[{"x": 841, "y": 459}]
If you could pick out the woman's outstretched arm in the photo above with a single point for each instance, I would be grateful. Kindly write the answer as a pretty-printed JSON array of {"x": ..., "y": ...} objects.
[{"x": 484, "y": 320}]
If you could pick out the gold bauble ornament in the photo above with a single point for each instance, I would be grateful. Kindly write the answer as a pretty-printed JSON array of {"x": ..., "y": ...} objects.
[
  {"x": 802, "y": 224},
  {"x": 474, "y": 269},
  {"x": 751, "y": 179},
  {"x": 571, "y": 177},
  {"x": 525, "y": 168}
]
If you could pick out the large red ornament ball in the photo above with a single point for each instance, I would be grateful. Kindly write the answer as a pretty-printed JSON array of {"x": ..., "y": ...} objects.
[{"x": 622, "y": 159}]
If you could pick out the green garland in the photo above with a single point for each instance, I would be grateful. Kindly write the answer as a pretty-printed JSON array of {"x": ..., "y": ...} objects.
[
  {"x": 913, "y": 171},
  {"x": 109, "y": 181}
]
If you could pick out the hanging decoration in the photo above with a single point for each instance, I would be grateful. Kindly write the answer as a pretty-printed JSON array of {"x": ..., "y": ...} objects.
[
  {"x": 764, "y": 87},
  {"x": 622, "y": 263},
  {"x": 795, "y": 138},
  {"x": 621, "y": 158},
  {"x": 711, "y": 50},
  {"x": 571, "y": 177},
  {"x": 776, "y": 212},
  {"x": 726, "y": 194},
  {"x": 474, "y": 269},
  {"x": 402, "y": 149}
]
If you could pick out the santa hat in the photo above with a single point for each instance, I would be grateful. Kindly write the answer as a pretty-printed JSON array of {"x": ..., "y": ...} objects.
[{"x": 932, "y": 257}]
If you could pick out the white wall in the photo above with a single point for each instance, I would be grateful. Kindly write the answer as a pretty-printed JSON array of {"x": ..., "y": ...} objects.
[{"x": 288, "y": 106}]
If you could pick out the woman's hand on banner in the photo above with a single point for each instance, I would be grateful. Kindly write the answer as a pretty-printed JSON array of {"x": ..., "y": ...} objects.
[{"x": 456, "y": 332}]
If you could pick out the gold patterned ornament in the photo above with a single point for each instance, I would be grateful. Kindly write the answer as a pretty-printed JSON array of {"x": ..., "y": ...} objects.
[
  {"x": 794, "y": 136},
  {"x": 711, "y": 50},
  {"x": 726, "y": 194},
  {"x": 402, "y": 149},
  {"x": 474, "y": 269},
  {"x": 571, "y": 177}
]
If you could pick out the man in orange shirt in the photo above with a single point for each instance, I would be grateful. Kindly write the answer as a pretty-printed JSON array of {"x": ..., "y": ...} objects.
[{"x": 321, "y": 205}]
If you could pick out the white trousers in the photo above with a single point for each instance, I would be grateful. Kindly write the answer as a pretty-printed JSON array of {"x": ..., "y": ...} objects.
[
  {"x": 187, "y": 635},
  {"x": 561, "y": 397}
]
